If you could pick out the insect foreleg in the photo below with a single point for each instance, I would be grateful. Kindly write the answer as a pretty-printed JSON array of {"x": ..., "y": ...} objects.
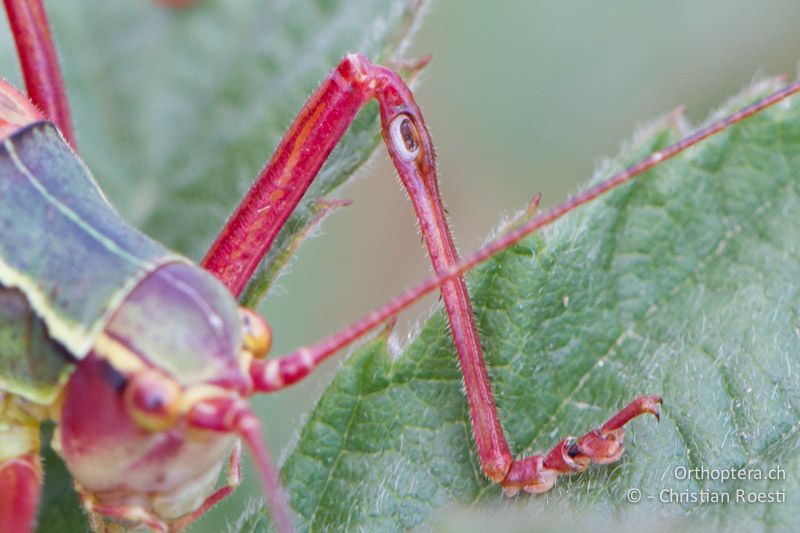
[
  {"x": 20, "y": 467},
  {"x": 233, "y": 480},
  {"x": 131, "y": 514},
  {"x": 594, "y": 446},
  {"x": 135, "y": 515},
  {"x": 256, "y": 222},
  {"x": 276, "y": 373},
  {"x": 39, "y": 62},
  {"x": 410, "y": 147},
  {"x": 20, "y": 486},
  {"x": 538, "y": 473}
]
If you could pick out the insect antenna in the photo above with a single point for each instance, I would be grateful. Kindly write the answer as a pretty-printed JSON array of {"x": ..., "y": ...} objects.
[
  {"x": 249, "y": 429},
  {"x": 233, "y": 415},
  {"x": 323, "y": 349}
]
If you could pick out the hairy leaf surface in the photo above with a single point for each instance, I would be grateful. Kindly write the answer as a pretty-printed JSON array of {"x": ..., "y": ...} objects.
[{"x": 682, "y": 283}]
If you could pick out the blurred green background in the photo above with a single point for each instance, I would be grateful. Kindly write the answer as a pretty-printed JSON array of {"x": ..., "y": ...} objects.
[{"x": 520, "y": 97}]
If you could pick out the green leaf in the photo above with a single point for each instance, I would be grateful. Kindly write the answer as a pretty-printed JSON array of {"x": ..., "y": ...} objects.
[{"x": 682, "y": 283}]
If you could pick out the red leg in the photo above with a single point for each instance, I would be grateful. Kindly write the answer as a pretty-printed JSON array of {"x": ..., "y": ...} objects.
[
  {"x": 233, "y": 481},
  {"x": 538, "y": 473},
  {"x": 251, "y": 230},
  {"x": 254, "y": 225},
  {"x": 133, "y": 515},
  {"x": 276, "y": 373},
  {"x": 20, "y": 466},
  {"x": 410, "y": 147},
  {"x": 20, "y": 485},
  {"x": 316, "y": 353},
  {"x": 39, "y": 62}
]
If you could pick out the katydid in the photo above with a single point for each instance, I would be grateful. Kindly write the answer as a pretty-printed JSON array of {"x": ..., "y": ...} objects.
[
  {"x": 129, "y": 340},
  {"x": 92, "y": 300}
]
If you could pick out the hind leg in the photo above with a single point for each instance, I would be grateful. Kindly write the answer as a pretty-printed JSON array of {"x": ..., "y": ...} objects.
[{"x": 20, "y": 468}]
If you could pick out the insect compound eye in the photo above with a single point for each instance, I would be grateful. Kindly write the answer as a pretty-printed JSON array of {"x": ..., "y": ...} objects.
[
  {"x": 153, "y": 400},
  {"x": 257, "y": 334},
  {"x": 405, "y": 137}
]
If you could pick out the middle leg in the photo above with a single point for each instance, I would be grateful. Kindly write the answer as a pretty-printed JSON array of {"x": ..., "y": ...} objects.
[
  {"x": 20, "y": 465},
  {"x": 256, "y": 222}
]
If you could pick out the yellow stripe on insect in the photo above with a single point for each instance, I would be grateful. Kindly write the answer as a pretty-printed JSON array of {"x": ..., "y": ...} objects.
[
  {"x": 76, "y": 337},
  {"x": 73, "y": 335},
  {"x": 20, "y": 430},
  {"x": 122, "y": 358}
]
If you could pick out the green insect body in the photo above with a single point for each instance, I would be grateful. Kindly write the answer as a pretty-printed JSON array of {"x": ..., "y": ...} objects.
[
  {"x": 113, "y": 336},
  {"x": 32, "y": 366},
  {"x": 63, "y": 245}
]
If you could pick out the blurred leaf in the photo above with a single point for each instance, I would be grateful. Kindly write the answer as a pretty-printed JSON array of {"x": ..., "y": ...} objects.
[
  {"x": 682, "y": 283},
  {"x": 177, "y": 111}
]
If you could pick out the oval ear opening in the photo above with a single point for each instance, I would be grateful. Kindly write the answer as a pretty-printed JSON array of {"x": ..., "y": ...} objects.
[{"x": 404, "y": 137}]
